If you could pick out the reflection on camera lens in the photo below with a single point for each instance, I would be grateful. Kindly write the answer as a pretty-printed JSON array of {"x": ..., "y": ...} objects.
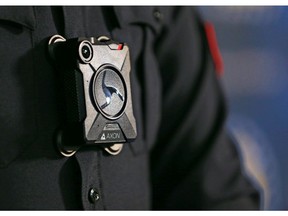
[
  {"x": 86, "y": 51},
  {"x": 109, "y": 92}
]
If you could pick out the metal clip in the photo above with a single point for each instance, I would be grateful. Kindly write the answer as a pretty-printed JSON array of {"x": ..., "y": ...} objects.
[{"x": 114, "y": 149}]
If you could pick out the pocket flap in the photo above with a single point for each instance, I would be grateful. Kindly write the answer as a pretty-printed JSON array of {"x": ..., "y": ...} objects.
[{"x": 22, "y": 15}]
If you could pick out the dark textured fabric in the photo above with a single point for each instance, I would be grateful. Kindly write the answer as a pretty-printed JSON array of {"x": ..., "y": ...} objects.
[{"x": 182, "y": 157}]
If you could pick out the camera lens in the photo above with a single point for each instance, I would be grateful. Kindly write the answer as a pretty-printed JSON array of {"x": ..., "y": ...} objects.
[
  {"x": 109, "y": 92},
  {"x": 85, "y": 51}
]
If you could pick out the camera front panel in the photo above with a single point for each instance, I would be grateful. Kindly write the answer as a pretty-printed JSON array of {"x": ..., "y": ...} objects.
[{"x": 95, "y": 76}]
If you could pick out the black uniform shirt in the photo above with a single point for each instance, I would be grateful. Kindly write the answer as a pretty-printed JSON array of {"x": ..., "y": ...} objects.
[{"x": 182, "y": 157}]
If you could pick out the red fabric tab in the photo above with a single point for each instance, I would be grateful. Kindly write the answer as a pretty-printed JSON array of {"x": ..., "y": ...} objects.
[{"x": 214, "y": 48}]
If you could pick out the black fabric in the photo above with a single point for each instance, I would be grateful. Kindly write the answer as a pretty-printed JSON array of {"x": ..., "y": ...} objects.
[{"x": 182, "y": 157}]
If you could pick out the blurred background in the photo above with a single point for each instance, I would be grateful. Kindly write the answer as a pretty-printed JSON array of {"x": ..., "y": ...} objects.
[{"x": 254, "y": 47}]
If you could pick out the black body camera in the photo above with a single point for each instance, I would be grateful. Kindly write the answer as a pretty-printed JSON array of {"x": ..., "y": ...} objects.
[{"x": 95, "y": 81}]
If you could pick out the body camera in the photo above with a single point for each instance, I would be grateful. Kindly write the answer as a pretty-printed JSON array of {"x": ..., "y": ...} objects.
[{"x": 95, "y": 85}]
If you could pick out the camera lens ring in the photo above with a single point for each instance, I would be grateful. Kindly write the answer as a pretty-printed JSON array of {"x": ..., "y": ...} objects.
[
  {"x": 85, "y": 51},
  {"x": 95, "y": 87}
]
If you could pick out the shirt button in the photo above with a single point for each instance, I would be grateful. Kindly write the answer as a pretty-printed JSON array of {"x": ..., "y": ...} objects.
[
  {"x": 158, "y": 15},
  {"x": 93, "y": 195}
]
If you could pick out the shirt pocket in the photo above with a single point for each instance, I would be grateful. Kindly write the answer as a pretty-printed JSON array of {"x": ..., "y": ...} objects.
[{"x": 17, "y": 99}]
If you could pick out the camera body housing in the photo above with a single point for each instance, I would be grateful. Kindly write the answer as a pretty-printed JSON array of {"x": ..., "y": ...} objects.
[{"x": 95, "y": 85}]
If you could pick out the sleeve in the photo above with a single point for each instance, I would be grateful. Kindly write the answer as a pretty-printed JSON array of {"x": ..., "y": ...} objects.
[{"x": 194, "y": 163}]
